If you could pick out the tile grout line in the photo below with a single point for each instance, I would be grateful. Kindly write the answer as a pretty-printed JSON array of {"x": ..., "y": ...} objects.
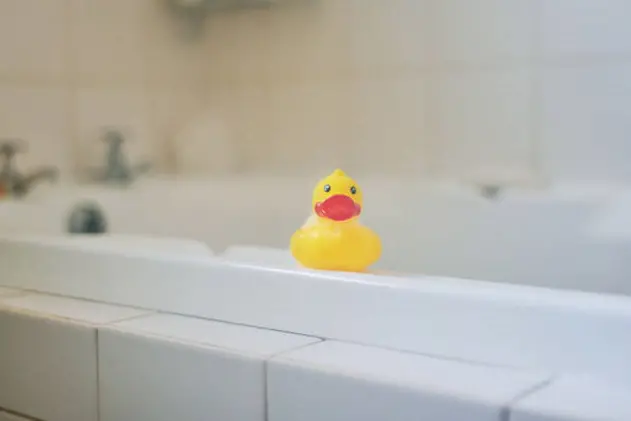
[
  {"x": 265, "y": 391},
  {"x": 269, "y": 359},
  {"x": 98, "y": 374},
  {"x": 153, "y": 146},
  {"x": 506, "y": 409},
  {"x": 147, "y": 313},
  {"x": 18, "y": 414},
  {"x": 536, "y": 98},
  {"x": 71, "y": 86},
  {"x": 430, "y": 142}
]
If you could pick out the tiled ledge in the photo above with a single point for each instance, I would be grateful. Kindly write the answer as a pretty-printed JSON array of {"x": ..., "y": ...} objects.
[
  {"x": 571, "y": 397},
  {"x": 339, "y": 381},
  {"x": 49, "y": 355},
  {"x": 74, "y": 360},
  {"x": 467, "y": 320},
  {"x": 188, "y": 368}
]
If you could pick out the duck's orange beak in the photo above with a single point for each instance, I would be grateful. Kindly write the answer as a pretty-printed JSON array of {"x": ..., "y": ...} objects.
[{"x": 338, "y": 208}]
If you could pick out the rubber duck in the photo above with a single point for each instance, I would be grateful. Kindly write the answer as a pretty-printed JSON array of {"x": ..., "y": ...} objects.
[{"x": 333, "y": 238}]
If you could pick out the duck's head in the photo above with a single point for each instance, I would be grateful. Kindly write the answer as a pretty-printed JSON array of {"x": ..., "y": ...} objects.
[{"x": 337, "y": 197}]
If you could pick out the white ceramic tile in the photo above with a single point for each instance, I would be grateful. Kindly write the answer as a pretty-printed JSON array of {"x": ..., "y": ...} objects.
[
  {"x": 188, "y": 368},
  {"x": 251, "y": 127},
  {"x": 308, "y": 128},
  {"x": 52, "y": 343},
  {"x": 173, "y": 58},
  {"x": 123, "y": 109},
  {"x": 611, "y": 222},
  {"x": 261, "y": 255},
  {"x": 575, "y": 27},
  {"x": 41, "y": 356},
  {"x": 481, "y": 122},
  {"x": 389, "y": 34},
  {"x": 586, "y": 122},
  {"x": 145, "y": 243},
  {"x": 206, "y": 143},
  {"x": 38, "y": 116},
  {"x": 109, "y": 40},
  {"x": 171, "y": 110},
  {"x": 245, "y": 112},
  {"x": 309, "y": 42},
  {"x": 68, "y": 308},
  {"x": 479, "y": 31},
  {"x": 387, "y": 134},
  {"x": 334, "y": 381},
  {"x": 32, "y": 38},
  {"x": 222, "y": 55},
  {"x": 237, "y": 46},
  {"x": 493, "y": 323},
  {"x": 575, "y": 398},
  {"x": 226, "y": 336}
]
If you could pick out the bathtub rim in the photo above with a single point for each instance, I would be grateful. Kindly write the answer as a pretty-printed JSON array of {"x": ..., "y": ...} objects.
[{"x": 322, "y": 304}]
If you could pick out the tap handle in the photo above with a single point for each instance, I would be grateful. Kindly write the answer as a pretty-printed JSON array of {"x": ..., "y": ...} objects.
[
  {"x": 113, "y": 137},
  {"x": 11, "y": 147}
]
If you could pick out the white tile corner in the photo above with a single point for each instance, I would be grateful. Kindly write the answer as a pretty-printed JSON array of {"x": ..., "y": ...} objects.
[
  {"x": 335, "y": 381},
  {"x": 69, "y": 309},
  {"x": 214, "y": 369},
  {"x": 575, "y": 397}
]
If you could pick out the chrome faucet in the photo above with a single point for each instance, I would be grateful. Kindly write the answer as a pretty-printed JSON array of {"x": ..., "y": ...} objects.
[
  {"x": 117, "y": 168},
  {"x": 11, "y": 179}
]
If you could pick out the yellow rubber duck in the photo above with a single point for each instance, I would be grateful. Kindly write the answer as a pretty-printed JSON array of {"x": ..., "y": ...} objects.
[{"x": 333, "y": 238}]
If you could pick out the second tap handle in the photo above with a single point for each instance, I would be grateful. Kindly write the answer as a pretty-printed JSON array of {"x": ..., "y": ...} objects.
[
  {"x": 114, "y": 137},
  {"x": 10, "y": 147}
]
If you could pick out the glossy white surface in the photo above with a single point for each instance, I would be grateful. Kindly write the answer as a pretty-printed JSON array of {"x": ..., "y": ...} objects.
[
  {"x": 267, "y": 256},
  {"x": 526, "y": 236},
  {"x": 156, "y": 244},
  {"x": 613, "y": 222},
  {"x": 5, "y": 292},
  {"x": 334, "y": 381},
  {"x": 468, "y": 320},
  {"x": 69, "y": 309},
  {"x": 123, "y": 242},
  {"x": 191, "y": 331},
  {"x": 52, "y": 344},
  {"x": 188, "y": 369},
  {"x": 577, "y": 398}
]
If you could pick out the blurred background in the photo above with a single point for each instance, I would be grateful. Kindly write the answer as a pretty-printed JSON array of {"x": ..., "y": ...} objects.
[
  {"x": 519, "y": 90},
  {"x": 240, "y": 106}
]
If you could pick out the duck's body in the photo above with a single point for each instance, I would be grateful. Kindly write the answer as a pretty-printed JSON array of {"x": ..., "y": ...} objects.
[
  {"x": 336, "y": 246},
  {"x": 333, "y": 238}
]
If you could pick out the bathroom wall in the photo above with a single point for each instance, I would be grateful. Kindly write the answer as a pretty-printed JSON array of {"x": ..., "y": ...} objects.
[
  {"x": 68, "y": 68},
  {"x": 520, "y": 90}
]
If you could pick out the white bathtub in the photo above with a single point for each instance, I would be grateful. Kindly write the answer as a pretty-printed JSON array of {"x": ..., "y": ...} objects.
[
  {"x": 552, "y": 331},
  {"x": 540, "y": 238}
]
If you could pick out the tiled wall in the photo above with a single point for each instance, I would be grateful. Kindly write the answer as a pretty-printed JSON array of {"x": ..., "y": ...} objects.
[
  {"x": 70, "y": 67},
  {"x": 514, "y": 90},
  {"x": 112, "y": 362},
  {"x": 485, "y": 88}
]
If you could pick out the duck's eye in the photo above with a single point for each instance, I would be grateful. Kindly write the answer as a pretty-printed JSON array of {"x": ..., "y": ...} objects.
[
  {"x": 327, "y": 188},
  {"x": 353, "y": 190}
]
